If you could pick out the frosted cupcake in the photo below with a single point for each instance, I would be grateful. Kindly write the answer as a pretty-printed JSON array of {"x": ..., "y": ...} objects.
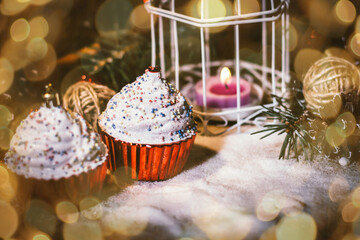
[
  {"x": 149, "y": 128},
  {"x": 57, "y": 150}
]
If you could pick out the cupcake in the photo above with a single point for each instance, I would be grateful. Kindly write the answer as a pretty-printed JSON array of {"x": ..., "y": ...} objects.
[
  {"x": 149, "y": 128},
  {"x": 58, "y": 153}
]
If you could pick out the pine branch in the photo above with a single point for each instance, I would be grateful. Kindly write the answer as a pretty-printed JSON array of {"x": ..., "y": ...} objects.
[{"x": 289, "y": 116}]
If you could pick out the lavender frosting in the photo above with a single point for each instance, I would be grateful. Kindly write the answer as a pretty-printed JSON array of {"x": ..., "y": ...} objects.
[
  {"x": 51, "y": 143},
  {"x": 148, "y": 111}
]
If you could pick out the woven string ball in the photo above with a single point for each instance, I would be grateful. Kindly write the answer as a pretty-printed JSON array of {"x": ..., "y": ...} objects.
[
  {"x": 88, "y": 99},
  {"x": 326, "y": 81}
]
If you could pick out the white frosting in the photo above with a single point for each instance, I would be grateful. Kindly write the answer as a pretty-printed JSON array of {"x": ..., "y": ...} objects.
[
  {"x": 51, "y": 144},
  {"x": 148, "y": 111}
]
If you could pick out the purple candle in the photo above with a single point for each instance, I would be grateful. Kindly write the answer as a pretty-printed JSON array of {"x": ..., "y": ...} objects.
[{"x": 221, "y": 91}]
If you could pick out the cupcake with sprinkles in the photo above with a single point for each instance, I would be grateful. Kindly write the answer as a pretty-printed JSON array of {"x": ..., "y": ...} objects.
[
  {"x": 56, "y": 149},
  {"x": 149, "y": 128}
]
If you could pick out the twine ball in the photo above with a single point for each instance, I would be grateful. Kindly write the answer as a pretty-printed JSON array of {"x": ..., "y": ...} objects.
[
  {"x": 88, "y": 99},
  {"x": 326, "y": 81}
]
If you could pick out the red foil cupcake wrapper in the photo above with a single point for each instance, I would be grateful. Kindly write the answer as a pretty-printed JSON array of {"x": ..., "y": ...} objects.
[
  {"x": 147, "y": 162},
  {"x": 74, "y": 188}
]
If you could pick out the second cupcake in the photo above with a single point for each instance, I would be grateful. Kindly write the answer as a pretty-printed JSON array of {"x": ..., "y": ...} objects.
[{"x": 149, "y": 128}]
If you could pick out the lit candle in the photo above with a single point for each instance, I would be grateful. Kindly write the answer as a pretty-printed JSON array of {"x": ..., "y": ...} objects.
[{"x": 221, "y": 91}]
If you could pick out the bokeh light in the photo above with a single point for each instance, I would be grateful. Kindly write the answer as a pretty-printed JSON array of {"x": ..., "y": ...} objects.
[
  {"x": 345, "y": 124},
  {"x": 90, "y": 208},
  {"x": 7, "y": 184},
  {"x": 354, "y": 44},
  {"x": 39, "y": 27},
  {"x": 112, "y": 18},
  {"x": 293, "y": 37},
  {"x": 212, "y": 9},
  {"x": 8, "y": 220},
  {"x": 247, "y": 6},
  {"x": 5, "y": 115},
  {"x": 41, "y": 215},
  {"x": 345, "y": 11},
  {"x": 140, "y": 18},
  {"x": 19, "y": 30},
  {"x": 355, "y": 197},
  {"x": 304, "y": 59},
  {"x": 6, "y": 77},
  {"x": 128, "y": 221},
  {"x": 270, "y": 206},
  {"x": 350, "y": 213},
  {"x": 332, "y": 135},
  {"x": 67, "y": 212},
  {"x": 41, "y": 237},
  {"x": 12, "y": 7},
  {"x": 339, "y": 52},
  {"x": 219, "y": 222},
  {"x": 36, "y": 49},
  {"x": 15, "y": 53},
  {"x": 5, "y": 137},
  {"x": 339, "y": 188},
  {"x": 357, "y": 25},
  {"x": 82, "y": 230},
  {"x": 298, "y": 227},
  {"x": 40, "y": 70}
]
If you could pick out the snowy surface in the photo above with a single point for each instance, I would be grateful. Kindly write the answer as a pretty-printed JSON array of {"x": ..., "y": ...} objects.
[{"x": 232, "y": 187}]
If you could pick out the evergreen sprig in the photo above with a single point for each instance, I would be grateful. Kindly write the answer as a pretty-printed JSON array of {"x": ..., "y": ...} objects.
[{"x": 289, "y": 119}]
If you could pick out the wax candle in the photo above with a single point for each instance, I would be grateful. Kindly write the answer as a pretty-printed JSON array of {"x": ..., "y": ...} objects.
[{"x": 221, "y": 91}]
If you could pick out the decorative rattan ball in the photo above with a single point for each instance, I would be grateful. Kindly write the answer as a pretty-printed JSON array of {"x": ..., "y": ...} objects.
[
  {"x": 88, "y": 99},
  {"x": 326, "y": 81}
]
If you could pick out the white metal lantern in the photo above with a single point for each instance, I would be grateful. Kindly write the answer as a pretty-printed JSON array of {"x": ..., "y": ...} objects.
[{"x": 272, "y": 16}]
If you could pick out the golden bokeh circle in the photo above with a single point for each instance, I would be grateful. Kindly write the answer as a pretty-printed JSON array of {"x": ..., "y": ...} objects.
[
  {"x": 90, "y": 208},
  {"x": 19, "y": 30},
  {"x": 332, "y": 136},
  {"x": 345, "y": 124},
  {"x": 345, "y": 11},
  {"x": 82, "y": 230},
  {"x": 39, "y": 27},
  {"x": 6, "y": 76},
  {"x": 354, "y": 44},
  {"x": 40, "y": 70},
  {"x": 41, "y": 237},
  {"x": 12, "y": 7},
  {"x": 140, "y": 18},
  {"x": 15, "y": 53},
  {"x": 339, "y": 52},
  {"x": 8, "y": 220},
  {"x": 350, "y": 213},
  {"x": 5, "y": 137},
  {"x": 5, "y": 116},
  {"x": 304, "y": 59},
  {"x": 355, "y": 197},
  {"x": 298, "y": 227},
  {"x": 67, "y": 212},
  {"x": 36, "y": 49}
]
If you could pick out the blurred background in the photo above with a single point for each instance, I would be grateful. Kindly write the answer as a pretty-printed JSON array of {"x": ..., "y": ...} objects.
[{"x": 60, "y": 41}]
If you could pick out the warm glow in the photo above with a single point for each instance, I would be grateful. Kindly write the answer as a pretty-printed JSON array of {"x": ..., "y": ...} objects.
[
  {"x": 345, "y": 11},
  {"x": 355, "y": 44},
  {"x": 225, "y": 75},
  {"x": 298, "y": 227},
  {"x": 8, "y": 220},
  {"x": 19, "y": 30},
  {"x": 67, "y": 212}
]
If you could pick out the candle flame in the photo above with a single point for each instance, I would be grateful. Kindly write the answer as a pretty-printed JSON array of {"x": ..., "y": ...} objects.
[{"x": 225, "y": 75}]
